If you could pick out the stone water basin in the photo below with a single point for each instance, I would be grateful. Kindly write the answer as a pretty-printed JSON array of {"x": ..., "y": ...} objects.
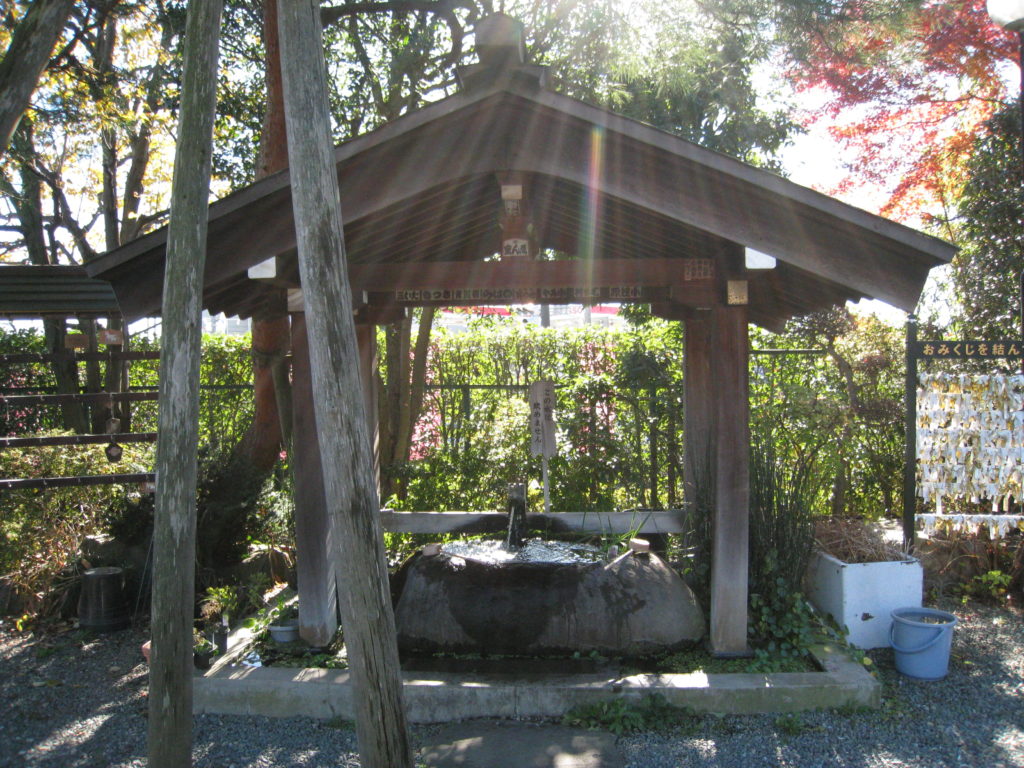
[{"x": 547, "y": 597}]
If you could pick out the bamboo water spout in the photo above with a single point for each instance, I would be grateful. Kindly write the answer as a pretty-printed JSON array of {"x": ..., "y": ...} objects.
[{"x": 516, "y": 517}]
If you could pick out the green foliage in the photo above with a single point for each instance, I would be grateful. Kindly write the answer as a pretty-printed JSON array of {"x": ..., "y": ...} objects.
[
  {"x": 843, "y": 406},
  {"x": 782, "y": 493},
  {"x": 225, "y": 401},
  {"x": 693, "y": 77},
  {"x": 790, "y": 725},
  {"x": 782, "y": 626},
  {"x": 28, "y": 376},
  {"x": 699, "y": 660},
  {"x": 283, "y": 607},
  {"x": 221, "y": 602},
  {"x": 993, "y": 585},
  {"x": 621, "y": 716},
  {"x": 202, "y": 645},
  {"x": 41, "y": 530},
  {"x": 782, "y": 496},
  {"x": 612, "y": 387},
  {"x": 986, "y": 271}
]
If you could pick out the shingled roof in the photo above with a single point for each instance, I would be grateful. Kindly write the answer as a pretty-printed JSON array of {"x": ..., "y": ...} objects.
[
  {"x": 37, "y": 291},
  {"x": 425, "y": 190}
]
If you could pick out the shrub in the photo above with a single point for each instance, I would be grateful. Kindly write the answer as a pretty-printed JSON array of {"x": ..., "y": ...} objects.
[{"x": 41, "y": 530}]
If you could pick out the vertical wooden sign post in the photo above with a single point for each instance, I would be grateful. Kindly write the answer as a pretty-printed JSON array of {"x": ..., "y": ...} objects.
[
  {"x": 349, "y": 482},
  {"x": 174, "y": 520},
  {"x": 542, "y": 430}
]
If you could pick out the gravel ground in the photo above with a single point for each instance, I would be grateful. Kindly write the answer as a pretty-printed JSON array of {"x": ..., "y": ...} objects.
[{"x": 72, "y": 701}]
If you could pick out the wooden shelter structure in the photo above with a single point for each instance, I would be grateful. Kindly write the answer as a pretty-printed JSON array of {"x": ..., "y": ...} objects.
[{"x": 508, "y": 192}]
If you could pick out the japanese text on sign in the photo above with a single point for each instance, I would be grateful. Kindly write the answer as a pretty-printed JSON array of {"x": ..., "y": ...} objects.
[
  {"x": 977, "y": 350},
  {"x": 484, "y": 295},
  {"x": 542, "y": 418}
]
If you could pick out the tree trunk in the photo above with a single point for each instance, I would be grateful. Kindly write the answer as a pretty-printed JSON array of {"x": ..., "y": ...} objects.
[
  {"x": 26, "y": 58},
  {"x": 29, "y": 208},
  {"x": 404, "y": 391},
  {"x": 170, "y": 677},
  {"x": 66, "y": 376},
  {"x": 234, "y": 489},
  {"x": 116, "y": 378},
  {"x": 341, "y": 423},
  {"x": 411, "y": 396},
  {"x": 840, "y": 483},
  {"x": 261, "y": 444}
]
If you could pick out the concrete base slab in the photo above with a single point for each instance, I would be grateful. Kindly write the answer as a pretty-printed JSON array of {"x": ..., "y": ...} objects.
[
  {"x": 448, "y": 697},
  {"x": 483, "y": 744}
]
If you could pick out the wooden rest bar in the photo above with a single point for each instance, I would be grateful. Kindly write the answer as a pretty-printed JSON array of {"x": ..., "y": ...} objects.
[
  {"x": 639, "y": 521},
  {"x": 74, "y": 481}
]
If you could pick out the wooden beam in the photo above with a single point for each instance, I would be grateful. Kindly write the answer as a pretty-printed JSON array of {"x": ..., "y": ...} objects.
[
  {"x": 641, "y": 521},
  {"x": 17, "y": 484},
  {"x": 384, "y": 313},
  {"x": 347, "y": 466},
  {"x": 74, "y": 357},
  {"x": 119, "y": 437},
  {"x": 476, "y": 298},
  {"x": 174, "y": 517},
  {"x": 96, "y": 398},
  {"x": 554, "y": 275},
  {"x": 315, "y": 568}
]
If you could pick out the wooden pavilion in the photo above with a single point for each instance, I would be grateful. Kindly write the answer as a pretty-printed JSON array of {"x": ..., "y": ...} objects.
[{"x": 463, "y": 201}]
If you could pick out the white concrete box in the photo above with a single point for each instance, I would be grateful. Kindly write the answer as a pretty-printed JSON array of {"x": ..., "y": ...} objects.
[{"x": 861, "y": 596}]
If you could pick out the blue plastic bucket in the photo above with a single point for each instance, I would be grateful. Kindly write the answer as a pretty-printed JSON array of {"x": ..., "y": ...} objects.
[{"x": 921, "y": 639}]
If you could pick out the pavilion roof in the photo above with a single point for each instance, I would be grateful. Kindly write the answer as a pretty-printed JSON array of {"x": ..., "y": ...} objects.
[
  {"x": 47, "y": 291},
  {"x": 423, "y": 192}
]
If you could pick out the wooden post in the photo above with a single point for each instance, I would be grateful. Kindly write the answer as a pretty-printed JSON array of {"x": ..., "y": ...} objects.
[
  {"x": 730, "y": 546},
  {"x": 910, "y": 438},
  {"x": 174, "y": 532},
  {"x": 341, "y": 424},
  {"x": 315, "y": 566}
]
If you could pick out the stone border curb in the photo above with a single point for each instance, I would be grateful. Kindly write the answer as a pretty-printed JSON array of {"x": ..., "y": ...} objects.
[{"x": 446, "y": 697}]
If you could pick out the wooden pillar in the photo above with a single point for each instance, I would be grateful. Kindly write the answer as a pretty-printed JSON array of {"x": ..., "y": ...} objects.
[
  {"x": 174, "y": 517},
  {"x": 366, "y": 339},
  {"x": 730, "y": 544},
  {"x": 717, "y": 447},
  {"x": 316, "y": 571}
]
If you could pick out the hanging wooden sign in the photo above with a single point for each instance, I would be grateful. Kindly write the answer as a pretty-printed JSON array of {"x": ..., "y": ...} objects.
[
  {"x": 515, "y": 248},
  {"x": 110, "y": 337},
  {"x": 561, "y": 295}
]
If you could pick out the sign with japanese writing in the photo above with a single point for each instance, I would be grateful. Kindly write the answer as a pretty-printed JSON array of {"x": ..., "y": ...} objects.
[
  {"x": 109, "y": 337},
  {"x": 517, "y": 295},
  {"x": 542, "y": 418},
  {"x": 515, "y": 248},
  {"x": 976, "y": 350}
]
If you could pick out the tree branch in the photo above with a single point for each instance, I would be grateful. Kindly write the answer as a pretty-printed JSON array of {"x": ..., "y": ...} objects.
[
  {"x": 445, "y": 10},
  {"x": 26, "y": 58}
]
